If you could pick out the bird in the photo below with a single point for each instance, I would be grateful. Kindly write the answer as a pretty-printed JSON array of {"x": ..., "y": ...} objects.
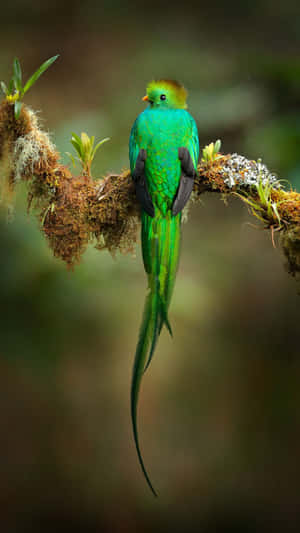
[{"x": 163, "y": 154}]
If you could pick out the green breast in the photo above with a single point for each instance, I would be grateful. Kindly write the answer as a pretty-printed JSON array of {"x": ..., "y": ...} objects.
[{"x": 161, "y": 133}]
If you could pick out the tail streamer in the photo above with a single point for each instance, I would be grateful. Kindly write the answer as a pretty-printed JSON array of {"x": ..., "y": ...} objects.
[{"x": 160, "y": 246}]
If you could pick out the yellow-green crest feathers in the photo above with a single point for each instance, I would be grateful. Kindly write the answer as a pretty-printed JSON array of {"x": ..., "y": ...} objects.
[{"x": 174, "y": 92}]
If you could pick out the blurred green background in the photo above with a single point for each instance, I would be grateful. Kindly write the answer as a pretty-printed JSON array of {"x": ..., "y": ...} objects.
[{"x": 219, "y": 408}]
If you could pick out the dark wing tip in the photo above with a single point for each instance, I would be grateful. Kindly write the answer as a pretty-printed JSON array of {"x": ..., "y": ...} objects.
[
  {"x": 141, "y": 188},
  {"x": 186, "y": 183},
  {"x": 183, "y": 194}
]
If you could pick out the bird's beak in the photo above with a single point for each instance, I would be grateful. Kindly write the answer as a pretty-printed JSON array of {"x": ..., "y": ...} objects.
[{"x": 145, "y": 98}]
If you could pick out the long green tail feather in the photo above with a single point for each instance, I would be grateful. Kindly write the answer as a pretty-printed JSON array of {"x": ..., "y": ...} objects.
[
  {"x": 138, "y": 370},
  {"x": 160, "y": 245},
  {"x": 167, "y": 257}
]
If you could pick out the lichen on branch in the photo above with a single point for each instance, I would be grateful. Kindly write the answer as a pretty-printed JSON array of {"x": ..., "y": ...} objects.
[{"x": 76, "y": 210}]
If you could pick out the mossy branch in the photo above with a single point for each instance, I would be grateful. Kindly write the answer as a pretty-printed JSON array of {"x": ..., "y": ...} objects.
[{"x": 74, "y": 210}]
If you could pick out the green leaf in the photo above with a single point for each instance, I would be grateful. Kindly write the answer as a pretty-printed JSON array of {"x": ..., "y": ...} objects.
[
  {"x": 17, "y": 76},
  {"x": 4, "y": 88},
  {"x": 11, "y": 86},
  {"x": 98, "y": 145},
  {"x": 76, "y": 137},
  {"x": 38, "y": 73},
  {"x": 85, "y": 146},
  {"x": 85, "y": 140},
  {"x": 91, "y": 146},
  {"x": 76, "y": 142},
  {"x": 76, "y": 146},
  {"x": 18, "y": 107},
  {"x": 217, "y": 145},
  {"x": 250, "y": 202}
]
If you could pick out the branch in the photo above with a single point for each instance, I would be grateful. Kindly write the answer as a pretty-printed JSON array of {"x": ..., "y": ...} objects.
[{"x": 74, "y": 210}]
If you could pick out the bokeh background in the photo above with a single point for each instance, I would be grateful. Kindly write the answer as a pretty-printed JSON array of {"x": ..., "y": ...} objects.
[{"x": 219, "y": 407}]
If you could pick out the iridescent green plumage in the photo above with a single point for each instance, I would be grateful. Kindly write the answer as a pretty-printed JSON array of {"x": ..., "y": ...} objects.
[{"x": 161, "y": 130}]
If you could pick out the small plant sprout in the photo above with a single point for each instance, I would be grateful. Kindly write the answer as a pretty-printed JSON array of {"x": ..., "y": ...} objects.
[
  {"x": 15, "y": 91},
  {"x": 263, "y": 207},
  {"x": 86, "y": 150},
  {"x": 211, "y": 151}
]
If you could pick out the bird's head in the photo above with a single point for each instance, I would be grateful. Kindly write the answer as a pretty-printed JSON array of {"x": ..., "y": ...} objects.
[{"x": 166, "y": 94}]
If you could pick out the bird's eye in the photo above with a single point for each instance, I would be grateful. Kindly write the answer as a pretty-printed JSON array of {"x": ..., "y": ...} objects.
[{"x": 163, "y": 97}]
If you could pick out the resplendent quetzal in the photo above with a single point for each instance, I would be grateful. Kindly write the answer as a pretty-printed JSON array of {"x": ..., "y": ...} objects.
[{"x": 163, "y": 151}]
